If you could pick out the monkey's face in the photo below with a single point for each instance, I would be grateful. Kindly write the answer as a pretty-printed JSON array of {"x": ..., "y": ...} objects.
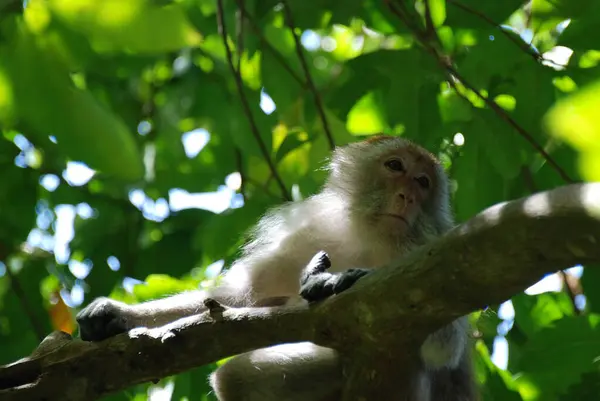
[
  {"x": 405, "y": 179},
  {"x": 393, "y": 185}
]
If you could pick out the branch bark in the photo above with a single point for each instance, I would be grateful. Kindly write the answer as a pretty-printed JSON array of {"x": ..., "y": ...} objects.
[{"x": 486, "y": 260}]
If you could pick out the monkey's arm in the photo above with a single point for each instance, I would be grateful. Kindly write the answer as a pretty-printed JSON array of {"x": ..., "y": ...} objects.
[
  {"x": 441, "y": 349},
  {"x": 105, "y": 317},
  {"x": 264, "y": 281}
]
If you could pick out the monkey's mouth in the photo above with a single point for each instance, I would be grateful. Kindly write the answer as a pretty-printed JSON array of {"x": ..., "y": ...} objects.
[{"x": 396, "y": 216}]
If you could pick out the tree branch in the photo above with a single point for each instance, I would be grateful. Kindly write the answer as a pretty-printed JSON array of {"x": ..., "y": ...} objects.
[
  {"x": 452, "y": 73},
  {"x": 311, "y": 84},
  {"x": 566, "y": 282},
  {"x": 269, "y": 46},
  {"x": 246, "y": 107},
  {"x": 520, "y": 44},
  {"x": 486, "y": 260}
]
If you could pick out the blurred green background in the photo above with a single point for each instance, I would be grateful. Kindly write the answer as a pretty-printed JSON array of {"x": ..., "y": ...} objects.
[{"x": 132, "y": 161}]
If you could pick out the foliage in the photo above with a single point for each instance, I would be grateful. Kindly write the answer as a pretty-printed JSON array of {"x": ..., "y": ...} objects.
[{"x": 505, "y": 93}]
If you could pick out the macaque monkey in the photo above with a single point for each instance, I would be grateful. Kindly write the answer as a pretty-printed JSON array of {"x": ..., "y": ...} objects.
[{"x": 383, "y": 197}]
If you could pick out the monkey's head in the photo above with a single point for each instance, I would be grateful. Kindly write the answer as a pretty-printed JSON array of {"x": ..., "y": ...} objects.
[{"x": 393, "y": 184}]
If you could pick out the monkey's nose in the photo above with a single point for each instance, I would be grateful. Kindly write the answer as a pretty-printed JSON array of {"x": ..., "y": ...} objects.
[{"x": 406, "y": 198}]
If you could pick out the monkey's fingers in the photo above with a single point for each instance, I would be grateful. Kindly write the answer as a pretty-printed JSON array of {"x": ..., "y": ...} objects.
[
  {"x": 318, "y": 287},
  {"x": 348, "y": 278},
  {"x": 318, "y": 264},
  {"x": 101, "y": 319}
]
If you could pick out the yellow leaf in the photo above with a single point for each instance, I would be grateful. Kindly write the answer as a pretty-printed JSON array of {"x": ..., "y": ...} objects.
[{"x": 60, "y": 316}]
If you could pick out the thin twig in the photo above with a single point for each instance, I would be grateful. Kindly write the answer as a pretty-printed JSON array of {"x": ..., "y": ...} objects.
[
  {"x": 263, "y": 187},
  {"x": 522, "y": 45},
  {"x": 529, "y": 13},
  {"x": 15, "y": 285},
  {"x": 240, "y": 167},
  {"x": 430, "y": 30},
  {"x": 528, "y": 179},
  {"x": 22, "y": 297},
  {"x": 504, "y": 115},
  {"x": 278, "y": 57},
  {"x": 239, "y": 34},
  {"x": 446, "y": 65},
  {"x": 309, "y": 80},
  {"x": 245, "y": 104}
]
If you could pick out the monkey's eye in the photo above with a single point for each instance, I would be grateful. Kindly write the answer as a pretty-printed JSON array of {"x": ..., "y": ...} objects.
[
  {"x": 423, "y": 181},
  {"x": 394, "y": 165}
]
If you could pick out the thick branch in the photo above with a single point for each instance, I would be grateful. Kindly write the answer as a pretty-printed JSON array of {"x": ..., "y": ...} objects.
[{"x": 486, "y": 260}]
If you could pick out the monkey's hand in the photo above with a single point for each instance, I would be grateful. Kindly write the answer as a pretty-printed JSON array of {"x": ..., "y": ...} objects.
[
  {"x": 316, "y": 284},
  {"x": 104, "y": 318}
]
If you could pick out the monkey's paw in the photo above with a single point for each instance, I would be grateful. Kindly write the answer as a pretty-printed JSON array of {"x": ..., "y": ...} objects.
[
  {"x": 316, "y": 284},
  {"x": 103, "y": 318}
]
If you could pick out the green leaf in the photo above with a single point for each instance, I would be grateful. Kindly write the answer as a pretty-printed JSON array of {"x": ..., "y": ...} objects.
[
  {"x": 553, "y": 363},
  {"x": 497, "y": 385},
  {"x": 377, "y": 15},
  {"x": 438, "y": 12},
  {"x": 236, "y": 125},
  {"x": 134, "y": 26},
  {"x": 591, "y": 287},
  {"x": 482, "y": 63},
  {"x": 367, "y": 115},
  {"x": 574, "y": 120},
  {"x": 290, "y": 143},
  {"x": 479, "y": 185},
  {"x": 424, "y": 125},
  {"x": 172, "y": 254},
  {"x": 587, "y": 389},
  {"x": 535, "y": 94},
  {"x": 161, "y": 285},
  {"x": 453, "y": 107},
  {"x": 281, "y": 39},
  {"x": 496, "y": 10},
  {"x": 536, "y": 312},
  {"x": 16, "y": 218},
  {"x": 50, "y": 104},
  {"x": 278, "y": 82},
  {"x": 407, "y": 78},
  {"x": 18, "y": 316},
  {"x": 576, "y": 36},
  {"x": 502, "y": 145},
  {"x": 224, "y": 233}
]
